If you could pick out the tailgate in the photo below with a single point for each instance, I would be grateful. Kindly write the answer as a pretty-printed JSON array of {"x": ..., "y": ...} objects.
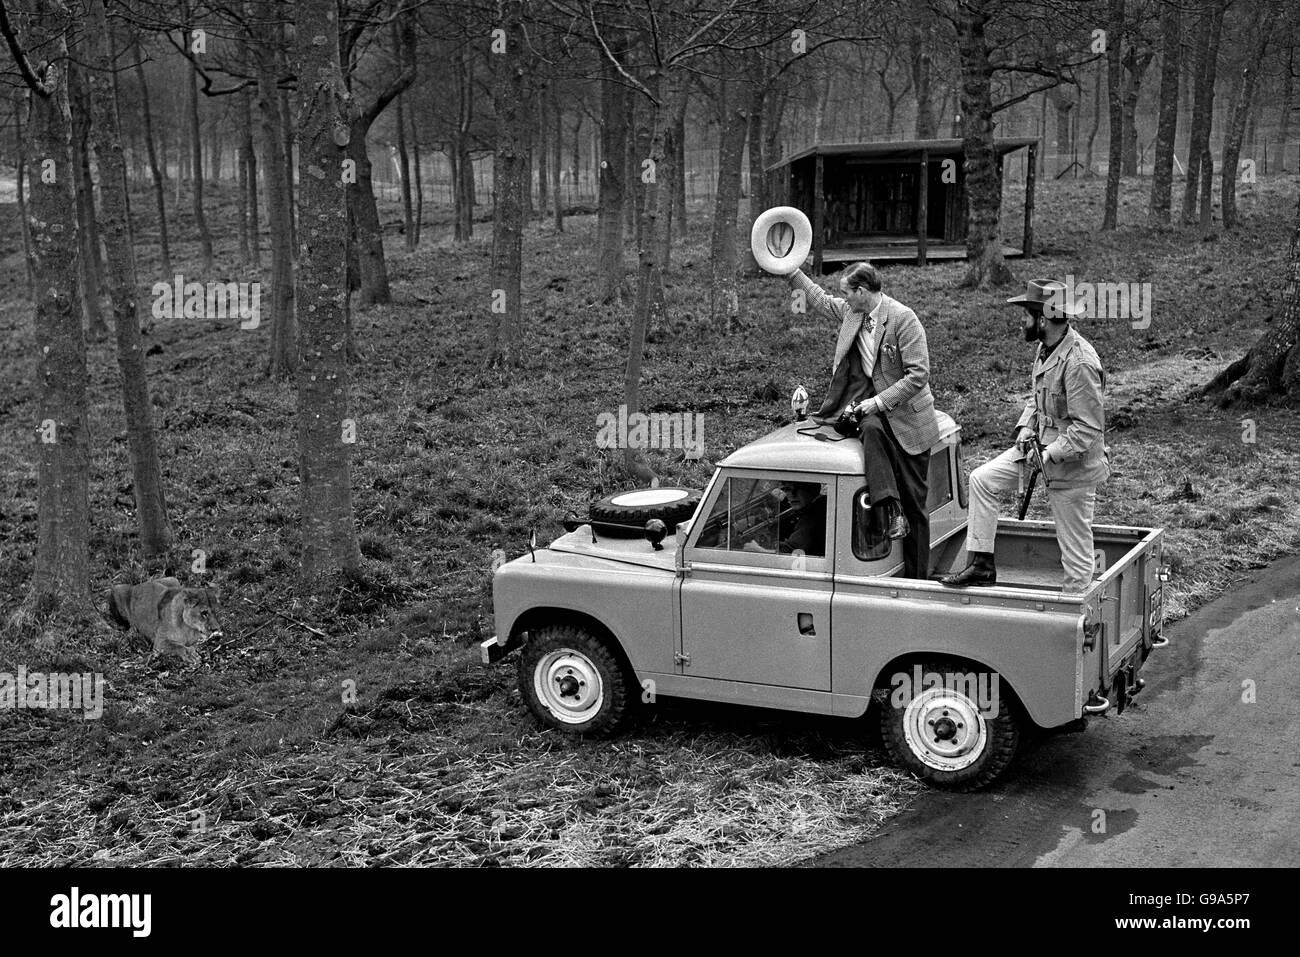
[{"x": 1129, "y": 601}]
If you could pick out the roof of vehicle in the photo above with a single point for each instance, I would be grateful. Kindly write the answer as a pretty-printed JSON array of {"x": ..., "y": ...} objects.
[{"x": 795, "y": 448}]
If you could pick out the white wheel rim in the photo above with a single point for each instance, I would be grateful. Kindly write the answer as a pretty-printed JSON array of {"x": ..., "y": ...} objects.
[
  {"x": 945, "y": 729},
  {"x": 568, "y": 685},
  {"x": 649, "y": 496}
]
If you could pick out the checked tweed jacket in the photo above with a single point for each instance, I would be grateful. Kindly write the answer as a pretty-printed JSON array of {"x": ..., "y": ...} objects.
[{"x": 901, "y": 374}]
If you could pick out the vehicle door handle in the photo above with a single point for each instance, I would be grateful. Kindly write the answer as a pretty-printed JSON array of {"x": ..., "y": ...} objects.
[{"x": 806, "y": 624}]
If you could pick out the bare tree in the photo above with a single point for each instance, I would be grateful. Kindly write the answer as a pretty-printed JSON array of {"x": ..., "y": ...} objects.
[
  {"x": 325, "y": 433},
  {"x": 510, "y": 186},
  {"x": 196, "y": 149},
  {"x": 1241, "y": 108},
  {"x": 150, "y": 502},
  {"x": 1166, "y": 131},
  {"x": 613, "y": 182},
  {"x": 266, "y": 41},
  {"x": 1115, "y": 99},
  {"x": 156, "y": 171},
  {"x": 361, "y": 196},
  {"x": 1208, "y": 29},
  {"x": 61, "y": 573}
]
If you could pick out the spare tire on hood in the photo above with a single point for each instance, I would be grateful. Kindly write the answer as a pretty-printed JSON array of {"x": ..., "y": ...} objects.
[{"x": 625, "y": 513}]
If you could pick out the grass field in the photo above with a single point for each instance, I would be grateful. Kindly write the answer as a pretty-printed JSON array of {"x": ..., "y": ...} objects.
[{"x": 254, "y": 757}]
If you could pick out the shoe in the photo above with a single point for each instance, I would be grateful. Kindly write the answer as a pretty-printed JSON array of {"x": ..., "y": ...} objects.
[
  {"x": 980, "y": 571},
  {"x": 898, "y": 525}
]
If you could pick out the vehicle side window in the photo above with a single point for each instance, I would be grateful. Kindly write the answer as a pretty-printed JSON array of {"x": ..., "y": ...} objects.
[
  {"x": 940, "y": 481},
  {"x": 963, "y": 487},
  {"x": 870, "y": 536},
  {"x": 768, "y": 515}
]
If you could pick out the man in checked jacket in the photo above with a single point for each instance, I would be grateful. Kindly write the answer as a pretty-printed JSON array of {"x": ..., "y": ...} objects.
[{"x": 882, "y": 369}]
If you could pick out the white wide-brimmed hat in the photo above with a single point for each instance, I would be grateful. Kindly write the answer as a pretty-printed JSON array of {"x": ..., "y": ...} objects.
[{"x": 781, "y": 239}]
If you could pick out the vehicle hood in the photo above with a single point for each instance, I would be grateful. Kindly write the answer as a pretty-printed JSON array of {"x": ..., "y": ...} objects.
[{"x": 627, "y": 551}]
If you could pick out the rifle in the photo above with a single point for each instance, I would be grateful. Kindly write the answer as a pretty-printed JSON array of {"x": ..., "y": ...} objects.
[{"x": 1035, "y": 456}]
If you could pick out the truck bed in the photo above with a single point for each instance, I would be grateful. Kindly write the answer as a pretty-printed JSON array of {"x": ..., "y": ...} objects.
[{"x": 1028, "y": 556}]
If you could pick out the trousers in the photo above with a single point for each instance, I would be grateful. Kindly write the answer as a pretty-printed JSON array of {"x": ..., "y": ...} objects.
[
  {"x": 1072, "y": 510},
  {"x": 892, "y": 472}
]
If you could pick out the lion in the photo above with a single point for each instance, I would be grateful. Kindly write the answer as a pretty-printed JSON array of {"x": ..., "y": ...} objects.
[{"x": 175, "y": 618}]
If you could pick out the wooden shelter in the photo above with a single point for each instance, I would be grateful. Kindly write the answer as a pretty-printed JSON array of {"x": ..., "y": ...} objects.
[{"x": 865, "y": 200}]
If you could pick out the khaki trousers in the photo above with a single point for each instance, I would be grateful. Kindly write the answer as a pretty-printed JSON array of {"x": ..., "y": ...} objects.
[{"x": 1071, "y": 510}]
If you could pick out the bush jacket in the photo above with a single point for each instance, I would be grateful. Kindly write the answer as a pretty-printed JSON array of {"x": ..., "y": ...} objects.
[{"x": 1067, "y": 413}]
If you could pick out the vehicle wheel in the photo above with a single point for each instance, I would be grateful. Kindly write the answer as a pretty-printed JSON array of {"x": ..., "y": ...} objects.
[
  {"x": 573, "y": 682},
  {"x": 940, "y": 734},
  {"x": 625, "y": 513}
]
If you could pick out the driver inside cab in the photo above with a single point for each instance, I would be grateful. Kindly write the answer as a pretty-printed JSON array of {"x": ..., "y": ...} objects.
[{"x": 803, "y": 526}]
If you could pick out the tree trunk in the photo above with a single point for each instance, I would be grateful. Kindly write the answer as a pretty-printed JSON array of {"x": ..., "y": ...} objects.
[
  {"x": 613, "y": 184},
  {"x": 368, "y": 231},
  {"x": 1114, "y": 99},
  {"x": 1272, "y": 366},
  {"x": 679, "y": 181},
  {"x": 557, "y": 157},
  {"x": 638, "y": 153},
  {"x": 735, "y": 99},
  {"x": 283, "y": 356},
  {"x": 325, "y": 432},
  {"x": 655, "y": 221},
  {"x": 419, "y": 176},
  {"x": 250, "y": 163},
  {"x": 61, "y": 572},
  {"x": 288, "y": 134},
  {"x": 1162, "y": 175},
  {"x": 508, "y": 177},
  {"x": 462, "y": 166},
  {"x": 985, "y": 263},
  {"x": 1135, "y": 68},
  {"x": 1096, "y": 117},
  {"x": 1241, "y": 107},
  {"x": 919, "y": 42},
  {"x": 669, "y": 174},
  {"x": 150, "y": 501},
  {"x": 404, "y": 173},
  {"x": 542, "y": 151},
  {"x": 20, "y": 143},
  {"x": 1208, "y": 28},
  {"x": 1284, "y": 117},
  {"x": 158, "y": 173},
  {"x": 90, "y": 276},
  {"x": 196, "y": 155}
]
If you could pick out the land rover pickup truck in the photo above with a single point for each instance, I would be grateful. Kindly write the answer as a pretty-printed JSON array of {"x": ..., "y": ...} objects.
[{"x": 727, "y": 611}]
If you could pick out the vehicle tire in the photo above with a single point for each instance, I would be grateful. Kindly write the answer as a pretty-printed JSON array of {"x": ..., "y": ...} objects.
[
  {"x": 624, "y": 514},
  {"x": 940, "y": 734},
  {"x": 573, "y": 682}
]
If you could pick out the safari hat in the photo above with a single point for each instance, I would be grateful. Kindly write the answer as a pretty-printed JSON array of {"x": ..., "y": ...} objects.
[{"x": 1049, "y": 297}]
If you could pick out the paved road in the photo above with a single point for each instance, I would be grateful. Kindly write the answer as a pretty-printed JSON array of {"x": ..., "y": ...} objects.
[{"x": 1190, "y": 774}]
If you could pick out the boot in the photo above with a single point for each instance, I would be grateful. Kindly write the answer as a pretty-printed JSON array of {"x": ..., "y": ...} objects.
[
  {"x": 896, "y": 521},
  {"x": 980, "y": 571}
]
